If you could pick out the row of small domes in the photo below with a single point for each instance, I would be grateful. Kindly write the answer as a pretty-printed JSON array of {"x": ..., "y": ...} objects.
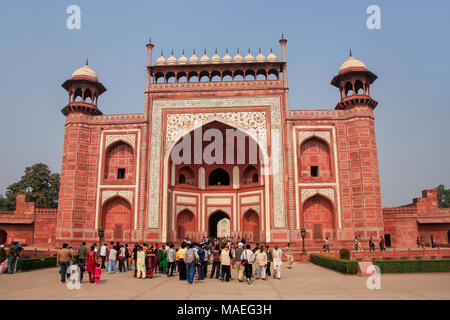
[{"x": 215, "y": 59}]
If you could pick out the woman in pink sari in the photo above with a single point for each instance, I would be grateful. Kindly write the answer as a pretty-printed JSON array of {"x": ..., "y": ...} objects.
[{"x": 91, "y": 263}]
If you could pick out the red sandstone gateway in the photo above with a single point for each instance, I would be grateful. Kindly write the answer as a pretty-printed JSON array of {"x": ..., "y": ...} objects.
[{"x": 316, "y": 169}]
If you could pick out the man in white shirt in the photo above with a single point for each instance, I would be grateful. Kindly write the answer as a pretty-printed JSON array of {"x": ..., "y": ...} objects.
[
  {"x": 276, "y": 256},
  {"x": 247, "y": 258},
  {"x": 261, "y": 263},
  {"x": 103, "y": 253}
]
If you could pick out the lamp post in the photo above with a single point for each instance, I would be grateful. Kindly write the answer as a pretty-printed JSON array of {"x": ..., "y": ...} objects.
[
  {"x": 101, "y": 233},
  {"x": 303, "y": 234}
]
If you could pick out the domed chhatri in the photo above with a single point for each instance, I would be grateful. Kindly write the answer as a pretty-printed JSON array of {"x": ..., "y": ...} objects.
[
  {"x": 271, "y": 57},
  {"x": 249, "y": 58},
  {"x": 352, "y": 62},
  {"x": 238, "y": 58},
  {"x": 161, "y": 60},
  {"x": 260, "y": 57},
  {"x": 227, "y": 58},
  {"x": 204, "y": 59},
  {"x": 183, "y": 59},
  {"x": 172, "y": 59},
  {"x": 84, "y": 72},
  {"x": 193, "y": 59},
  {"x": 216, "y": 58}
]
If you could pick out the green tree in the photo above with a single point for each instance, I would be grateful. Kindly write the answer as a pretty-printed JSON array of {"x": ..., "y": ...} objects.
[
  {"x": 3, "y": 206},
  {"x": 39, "y": 183},
  {"x": 443, "y": 197}
]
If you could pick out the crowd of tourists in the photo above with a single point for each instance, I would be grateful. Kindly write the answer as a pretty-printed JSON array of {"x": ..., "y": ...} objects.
[{"x": 191, "y": 260}]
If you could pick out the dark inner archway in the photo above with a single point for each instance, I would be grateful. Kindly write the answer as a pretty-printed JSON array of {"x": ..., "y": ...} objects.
[
  {"x": 213, "y": 220},
  {"x": 219, "y": 177}
]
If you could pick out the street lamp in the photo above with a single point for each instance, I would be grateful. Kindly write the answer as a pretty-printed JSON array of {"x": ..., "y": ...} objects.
[
  {"x": 101, "y": 233},
  {"x": 303, "y": 234}
]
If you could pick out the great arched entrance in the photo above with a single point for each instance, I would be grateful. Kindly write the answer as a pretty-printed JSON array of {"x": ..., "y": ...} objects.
[
  {"x": 213, "y": 168},
  {"x": 3, "y": 236},
  {"x": 117, "y": 219},
  {"x": 219, "y": 224}
]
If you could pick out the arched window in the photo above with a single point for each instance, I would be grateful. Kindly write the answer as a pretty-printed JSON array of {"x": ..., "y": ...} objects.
[
  {"x": 238, "y": 75},
  {"x": 159, "y": 77},
  {"x": 348, "y": 89},
  {"x": 204, "y": 76},
  {"x": 215, "y": 76},
  {"x": 219, "y": 177},
  {"x": 249, "y": 75},
  {"x": 186, "y": 176},
  {"x": 227, "y": 75},
  {"x": 193, "y": 76},
  {"x": 78, "y": 95},
  {"x": 181, "y": 77},
  {"x": 119, "y": 161},
  {"x": 250, "y": 175},
  {"x": 359, "y": 89},
  {"x": 170, "y": 77},
  {"x": 88, "y": 96},
  {"x": 273, "y": 74},
  {"x": 315, "y": 159}
]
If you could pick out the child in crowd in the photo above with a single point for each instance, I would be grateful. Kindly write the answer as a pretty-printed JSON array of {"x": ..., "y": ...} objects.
[{"x": 98, "y": 272}]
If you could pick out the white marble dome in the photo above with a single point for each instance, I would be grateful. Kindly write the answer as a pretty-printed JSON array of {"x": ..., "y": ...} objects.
[
  {"x": 238, "y": 58},
  {"x": 161, "y": 59},
  {"x": 260, "y": 57},
  {"x": 352, "y": 62},
  {"x": 172, "y": 59},
  {"x": 183, "y": 59},
  {"x": 204, "y": 59},
  {"x": 216, "y": 58},
  {"x": 85, "y": 71},
  {"x": 227, "y": 58},
  {"x": 271, "y": 57},
  {"x": 249, "y": 58},
  {"x": 193, "y": 59}
]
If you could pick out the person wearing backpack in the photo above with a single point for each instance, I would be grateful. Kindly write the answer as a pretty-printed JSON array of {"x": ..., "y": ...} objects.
[{"x": 190, "y": 259}]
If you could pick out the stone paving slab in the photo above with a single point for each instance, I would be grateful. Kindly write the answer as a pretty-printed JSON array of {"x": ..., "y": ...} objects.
[{"x": 303, "y": 282}]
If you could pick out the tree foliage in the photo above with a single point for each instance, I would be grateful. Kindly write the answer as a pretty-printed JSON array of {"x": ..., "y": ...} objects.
[
  {"x": 39, "y": 183},
  {"x": 3, "y": 206},
  {"x": 443, "y": 197}
]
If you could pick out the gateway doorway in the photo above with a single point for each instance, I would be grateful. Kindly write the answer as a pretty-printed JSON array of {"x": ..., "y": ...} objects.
[{"x": 219, "y": 224}]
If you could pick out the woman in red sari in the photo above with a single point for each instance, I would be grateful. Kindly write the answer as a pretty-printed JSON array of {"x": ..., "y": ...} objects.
[{"x": 91, "y": 262}]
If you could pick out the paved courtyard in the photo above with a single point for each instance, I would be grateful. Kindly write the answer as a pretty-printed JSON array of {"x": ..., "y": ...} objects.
[{"x": 304, "y": 281}]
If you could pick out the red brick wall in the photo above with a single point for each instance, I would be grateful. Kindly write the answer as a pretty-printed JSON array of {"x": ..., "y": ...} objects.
[
  {"x": 77, "y": 194},
  {"x": 359, "y": 178}
]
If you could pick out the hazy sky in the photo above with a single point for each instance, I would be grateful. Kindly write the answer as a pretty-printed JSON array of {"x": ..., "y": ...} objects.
[{"x": 410, "y": 55}]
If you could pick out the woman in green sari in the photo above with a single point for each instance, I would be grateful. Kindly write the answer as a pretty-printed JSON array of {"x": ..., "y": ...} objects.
[{"x": 162, "y": 259}]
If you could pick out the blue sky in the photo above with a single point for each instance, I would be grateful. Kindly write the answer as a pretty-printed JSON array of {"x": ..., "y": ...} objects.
[{"x": 409, "y": 54}]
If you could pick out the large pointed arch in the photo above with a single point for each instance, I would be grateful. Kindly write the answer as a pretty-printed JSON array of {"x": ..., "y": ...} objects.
[
  {"x": 117, "y": 218},
  {"x": 319, "y": 218},
  {"x": 168, "y": 223}
]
